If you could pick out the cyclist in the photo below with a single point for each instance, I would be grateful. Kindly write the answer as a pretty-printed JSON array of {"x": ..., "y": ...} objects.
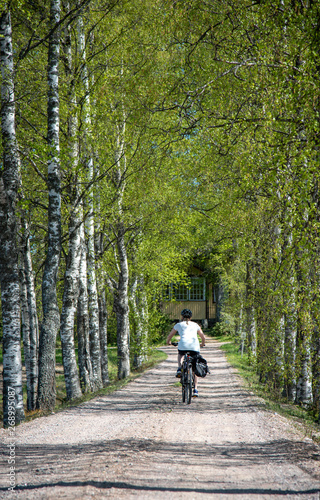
[{"x": 188, "y": 331}]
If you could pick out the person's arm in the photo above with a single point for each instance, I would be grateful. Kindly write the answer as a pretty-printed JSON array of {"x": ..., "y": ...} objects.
[
  {"x": 203, "y": 339},
  {"x": 171, "y": 334}
]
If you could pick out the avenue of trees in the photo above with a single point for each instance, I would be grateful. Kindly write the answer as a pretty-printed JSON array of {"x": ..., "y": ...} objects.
[{"x": 140, "y": 135}]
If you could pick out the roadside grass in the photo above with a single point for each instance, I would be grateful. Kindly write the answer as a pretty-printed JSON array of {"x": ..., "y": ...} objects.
[
  {"x": 269, "y": 398},
  {"x": 155, "y": 357}
]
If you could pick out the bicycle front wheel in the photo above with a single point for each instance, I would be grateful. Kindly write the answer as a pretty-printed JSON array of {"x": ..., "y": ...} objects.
[{"x": 189, "y": 385}]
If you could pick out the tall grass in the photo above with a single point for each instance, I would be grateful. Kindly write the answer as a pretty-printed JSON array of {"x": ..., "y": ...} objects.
[{"x": 269, "y": 399}]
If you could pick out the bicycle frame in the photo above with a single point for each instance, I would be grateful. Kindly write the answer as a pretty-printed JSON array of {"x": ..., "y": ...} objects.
[{"x": 187, "y": 378}]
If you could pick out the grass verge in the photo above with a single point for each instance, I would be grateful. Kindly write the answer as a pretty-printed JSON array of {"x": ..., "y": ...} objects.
[
  {"x": 269, "y": 400},
  {"x": 155, "y": 357}
]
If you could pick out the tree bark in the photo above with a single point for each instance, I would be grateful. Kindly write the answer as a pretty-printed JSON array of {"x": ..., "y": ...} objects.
[
  {"x": 84, "y": 359},
  {"x": 25, "y": 327},
  {"x": 33, "y": 320},
  {"x": 29, "y": 317},
  {"x": 89, "y": 225},
  {"x": 304, "y": 381},
  {"x": 221, "y": 297},
  {"x": 103, "y": 314},
  {"x": 303, "y": 356},
  {"x": 121, "y": 307},
  {"x": 13, "y": 411},
  {"x": 250, "y": 314},
  {"x": 103, "y": 319},
  {"x": 290, "y": 356},
  {"x": 242, "y": 333},
  {"x": 70, "y": 294},
  {"x": 51, "y": 317},
  {"x": 316, "y": 372},
  {"x": 140, "y": 313}
]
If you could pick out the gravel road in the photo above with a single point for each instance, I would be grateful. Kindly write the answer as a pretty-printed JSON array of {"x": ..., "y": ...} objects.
[{"x": 142, "y": 442}]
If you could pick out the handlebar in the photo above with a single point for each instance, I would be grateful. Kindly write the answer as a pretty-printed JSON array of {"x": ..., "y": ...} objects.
[{"x": 176, "y": 343}]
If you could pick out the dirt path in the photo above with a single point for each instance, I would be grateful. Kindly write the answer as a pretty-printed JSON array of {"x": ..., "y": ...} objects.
[{"x": 142, "y": 442}]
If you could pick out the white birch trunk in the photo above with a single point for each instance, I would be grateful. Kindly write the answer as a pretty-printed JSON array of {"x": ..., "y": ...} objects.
[
  {"x": 279, "y": 358},
  {"x": 70, "y": 294},
  {"x": 121, "y": 296},
  {"x": 316, "y": 372},
  {"x": 316, "y": 333},
  {"x": 290, "y": 329},
  {"x": 103, "y": 314},
  {"x": 242, "y": 332},
  {"x": 304, "y": 360},
  {"x": 103, "y": 319},
  {"x": 140, "y": 313},
  {"x": 94, "y": 333},
  {"x": 33, "y": 321},
  {"x": 25, "y": 326},
  {"x": 84, "y": 359},
  {"x": 250, "y": 314},
  {"x": 290, "y": 355},
  {"x": 9, "y": 269},
  {"x": 303, "y": 351},
  {"x": 121, "y": 307},
  {"x": 29, "y": 317},
  {"x": 51, "y": 316},
  {"x": 304, "y": 383},
  {"x": 33, "y": 318},
  {"x": 252, "y": 332}
]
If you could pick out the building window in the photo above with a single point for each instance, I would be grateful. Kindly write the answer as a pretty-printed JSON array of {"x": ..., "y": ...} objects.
[
  {"x": 198, "y": 289},
  {"x": 195, "y": 290},
  {"x": 180, "y": 292}
]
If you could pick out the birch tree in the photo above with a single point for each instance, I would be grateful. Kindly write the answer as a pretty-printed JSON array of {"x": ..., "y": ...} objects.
[
  {"x": 71, "y": 277},
  {"x": 84, "y": 358},
  {"x": 13, "y": 411},
  {"x": 250, "y": 312},
  {"x": 87, "y": 159},
  {"x": 103, "y": 320},
  {"x": 119, "y": 286},
  {"x": 103, "y": 312},
  {"x": 51, "y": 316},
  {"x": 139, "y": 304},
  {"x": 70, "y": 297},
  {"x": 29, "y": 316}
]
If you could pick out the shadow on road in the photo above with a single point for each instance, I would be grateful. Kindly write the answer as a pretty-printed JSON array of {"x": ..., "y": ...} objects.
[{"x": 72, "y": 462}]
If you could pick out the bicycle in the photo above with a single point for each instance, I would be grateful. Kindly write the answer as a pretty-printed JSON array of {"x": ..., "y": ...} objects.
[{"x": 187, "y": 377}]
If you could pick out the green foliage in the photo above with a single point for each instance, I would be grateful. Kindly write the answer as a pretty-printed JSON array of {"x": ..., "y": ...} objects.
[
  {"x": 219, "y": 331},
  {"x": 112, "y": 329},
  {"x": 159, "y": 326}
]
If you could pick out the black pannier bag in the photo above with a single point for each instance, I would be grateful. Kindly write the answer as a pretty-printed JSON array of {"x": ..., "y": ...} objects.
[{"x": 200, "y": 366}]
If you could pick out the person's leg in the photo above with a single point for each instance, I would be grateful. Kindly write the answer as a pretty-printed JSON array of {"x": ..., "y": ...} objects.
[
  {"x": 195, "y": 382},
  {"x": 178, "y": 374}
]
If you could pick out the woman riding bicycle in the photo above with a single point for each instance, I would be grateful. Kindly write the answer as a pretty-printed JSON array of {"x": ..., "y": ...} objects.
[{"x": 188, "y": 331}]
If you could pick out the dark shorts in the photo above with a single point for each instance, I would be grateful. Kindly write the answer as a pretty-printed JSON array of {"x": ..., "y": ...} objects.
[{"x": 192, "y": 353}]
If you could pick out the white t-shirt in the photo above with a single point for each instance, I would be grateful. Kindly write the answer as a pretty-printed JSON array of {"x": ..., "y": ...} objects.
[{"x": 188, "y": 336}]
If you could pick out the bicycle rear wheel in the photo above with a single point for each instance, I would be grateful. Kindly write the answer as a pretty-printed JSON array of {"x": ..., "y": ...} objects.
[
  {"x": 183, "y": 385},
  {"x": 189, "y": 385}
]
